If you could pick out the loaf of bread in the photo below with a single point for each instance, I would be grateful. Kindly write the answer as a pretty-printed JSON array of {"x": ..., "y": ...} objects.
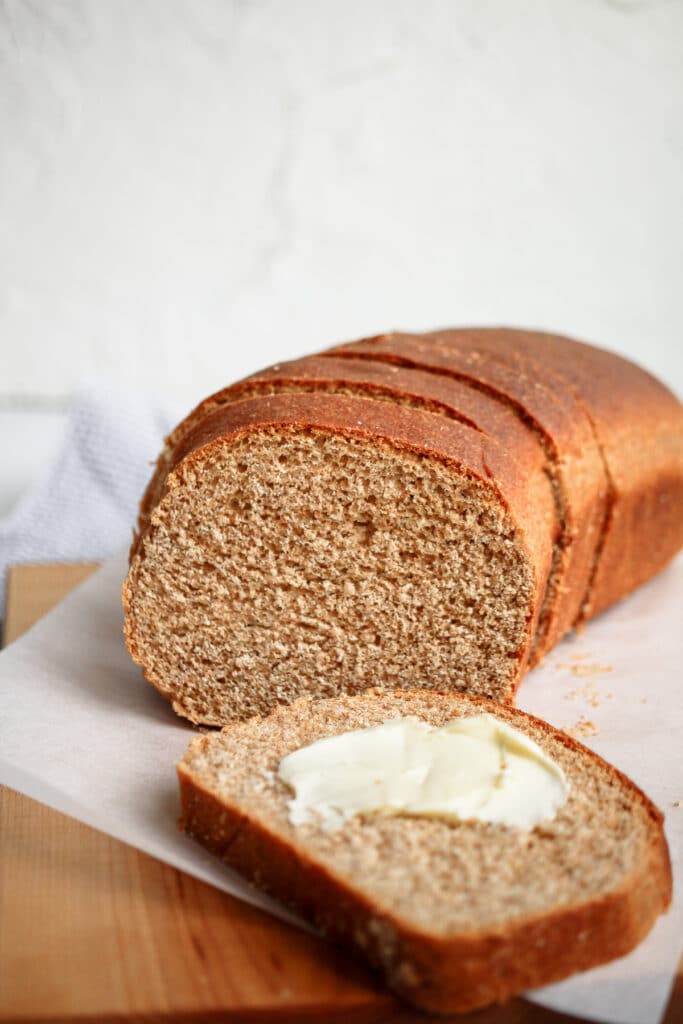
[
  {"x": 454, "y": 915},
  {"x": 431, "y": 511}
]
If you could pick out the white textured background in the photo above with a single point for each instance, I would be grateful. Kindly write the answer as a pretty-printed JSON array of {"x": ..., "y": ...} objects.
[{"x": 189, "y": 190}]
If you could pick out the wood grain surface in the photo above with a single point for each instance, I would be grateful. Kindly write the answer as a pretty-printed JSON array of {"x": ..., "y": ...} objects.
[{"x": 93, "y": 930}]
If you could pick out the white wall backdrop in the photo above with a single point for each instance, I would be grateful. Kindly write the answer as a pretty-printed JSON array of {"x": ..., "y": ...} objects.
[{"x": 189, "y": 190}]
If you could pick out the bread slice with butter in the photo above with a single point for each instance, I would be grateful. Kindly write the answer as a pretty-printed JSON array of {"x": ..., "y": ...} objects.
[{"x": 466, "y": 849}]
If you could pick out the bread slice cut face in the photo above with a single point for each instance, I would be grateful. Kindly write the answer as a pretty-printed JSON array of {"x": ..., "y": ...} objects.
[
  {"x": 455, "y": 914},
  {"x": 315, "y": 544}
]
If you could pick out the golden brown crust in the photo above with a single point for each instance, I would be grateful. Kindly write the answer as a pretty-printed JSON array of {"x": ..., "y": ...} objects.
[
  {"x": 638, "y": 425},
  {"x": 442, "y": 973}
]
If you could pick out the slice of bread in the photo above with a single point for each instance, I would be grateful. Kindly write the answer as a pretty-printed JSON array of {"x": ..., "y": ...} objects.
[
  {"x": 455, "y": 916},
  {"x": 314, "y": 544}
]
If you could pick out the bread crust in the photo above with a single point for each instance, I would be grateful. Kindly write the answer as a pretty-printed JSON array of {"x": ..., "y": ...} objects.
[
  {"x": 441, "y": 974},
  {"x": 638, "y": 426}
]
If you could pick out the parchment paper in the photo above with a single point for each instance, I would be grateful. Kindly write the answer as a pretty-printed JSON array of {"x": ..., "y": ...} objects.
[{"x": 81, "y": 731}]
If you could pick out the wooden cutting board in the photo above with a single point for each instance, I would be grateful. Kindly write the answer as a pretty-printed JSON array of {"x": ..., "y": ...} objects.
[{"x": 93, "y": 930}]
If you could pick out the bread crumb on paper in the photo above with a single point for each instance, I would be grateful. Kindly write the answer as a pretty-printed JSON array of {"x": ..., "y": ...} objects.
[
  {"x": 583, "y": 728},
  {"x": 589, "y": 693},
  {"x": 582, "y": 670}
]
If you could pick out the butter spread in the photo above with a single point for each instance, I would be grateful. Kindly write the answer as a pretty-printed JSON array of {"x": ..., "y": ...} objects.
[{"x": 471, "y": 768}]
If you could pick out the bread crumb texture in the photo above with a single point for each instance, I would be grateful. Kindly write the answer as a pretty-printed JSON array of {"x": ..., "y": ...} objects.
[{"x": 299, "y": 562}]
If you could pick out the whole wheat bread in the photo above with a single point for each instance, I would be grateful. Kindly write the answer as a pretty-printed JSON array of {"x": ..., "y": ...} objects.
[
  {"x": 433, "y": 510},
  {"x": 455, "y": 916},
  {"x": 314, "y": 544}
]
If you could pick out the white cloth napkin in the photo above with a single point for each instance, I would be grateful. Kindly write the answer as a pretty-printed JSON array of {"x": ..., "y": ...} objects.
[{"x": 85, "y": 507}]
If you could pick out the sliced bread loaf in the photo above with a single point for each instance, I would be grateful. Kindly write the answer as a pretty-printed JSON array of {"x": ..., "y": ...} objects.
[
  {"x": 316, "y": 543},
  {"x": 454, "y": 915},
  {"x": 581, "y": 452}
]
